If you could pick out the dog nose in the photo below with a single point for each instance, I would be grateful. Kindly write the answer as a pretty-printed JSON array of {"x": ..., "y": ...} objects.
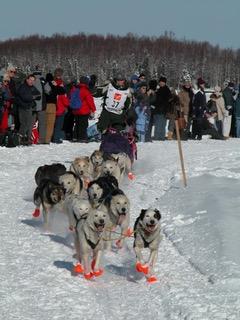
[
  {"x": 152, "y": 222},
  {"x": 94, "y": 195},
  {"x": 123, "y": 209},
  {"x": 101, "y": 221}
]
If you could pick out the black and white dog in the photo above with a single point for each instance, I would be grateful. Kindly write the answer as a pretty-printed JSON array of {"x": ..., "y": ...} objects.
[
  {"x": 51, "y": 172},
  {"x": 100, "y": 190},
  {"x": 47, "y": 195},
  {"x": 147, "y": 235}
]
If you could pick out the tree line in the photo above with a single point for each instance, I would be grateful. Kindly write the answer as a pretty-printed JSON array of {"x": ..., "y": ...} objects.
[{"x": 105, "y": 55}]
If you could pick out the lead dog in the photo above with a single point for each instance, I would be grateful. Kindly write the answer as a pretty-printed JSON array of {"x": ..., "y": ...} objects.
[
  {"x": 90, "y": 235},
  {"x": 147, "y": 235},
  {"x": 47, "y": 195},
  {"x": 119, "y": 215}
]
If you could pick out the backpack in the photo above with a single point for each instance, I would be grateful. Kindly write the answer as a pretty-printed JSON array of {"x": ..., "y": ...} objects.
[
  {"x": 75, "y": 101},
  {"x": 10, "y": 139}
]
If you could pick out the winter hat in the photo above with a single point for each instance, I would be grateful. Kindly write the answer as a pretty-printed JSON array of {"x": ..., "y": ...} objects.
[
  {"x": 134, "y": 77},
  {"x": 200, "y": 81},
  {"x": 58, "y": 72},
  {"x": 6, "y": 77},
  {"x": 142, "y": 84},
  {"x": 163, "y": 79},
  {"x": 84, "y": 79},
  {"x": 217, "y": 90},
  {"x": 120, "y": 76},
  {"x": 49, "y": 77}
]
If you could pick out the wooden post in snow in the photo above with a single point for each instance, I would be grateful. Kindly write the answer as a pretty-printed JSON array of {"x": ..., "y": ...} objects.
[{"x": 181, "y": 154}]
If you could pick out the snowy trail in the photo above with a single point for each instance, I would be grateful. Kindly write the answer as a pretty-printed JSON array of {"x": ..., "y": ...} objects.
[{"x": 35, "y": 268}]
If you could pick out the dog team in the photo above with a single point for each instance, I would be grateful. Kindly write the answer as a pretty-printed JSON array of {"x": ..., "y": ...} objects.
[{"x": 89, "y": 194}]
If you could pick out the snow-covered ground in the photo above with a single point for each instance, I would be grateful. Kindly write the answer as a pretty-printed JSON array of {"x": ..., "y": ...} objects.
[{"x": 199, "y": 259}]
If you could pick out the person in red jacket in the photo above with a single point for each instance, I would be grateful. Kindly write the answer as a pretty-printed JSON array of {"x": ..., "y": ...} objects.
[{"x": 86, "y": 110}]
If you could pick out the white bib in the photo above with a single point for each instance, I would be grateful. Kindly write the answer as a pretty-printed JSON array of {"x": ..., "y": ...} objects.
[{"x": 115, "y": 99}]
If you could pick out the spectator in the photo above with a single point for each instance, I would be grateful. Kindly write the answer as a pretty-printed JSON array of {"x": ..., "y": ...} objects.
[
  {"x": 199, "y": 109},
  {"x": 163, "y": 94},
  {"x": 86, "y": 110},
  {"x": 221, "y": 110},
  {"x": 6, "y": 103},
  {"x": 26, "y": 97},
  {"x": 228, "y": 93},
  {"x": 39, "y": 111}
]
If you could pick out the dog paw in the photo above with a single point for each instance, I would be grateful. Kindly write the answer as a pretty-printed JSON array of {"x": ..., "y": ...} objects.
[
  {"x": 98, "y": 273},
  {"x": 88, "y": 276},
  {"x": 78, "y": 268},
  {"x": 36, "y": 213},
  {"x": 152, "y": 279},
  {"x": 142, "y": 268}
]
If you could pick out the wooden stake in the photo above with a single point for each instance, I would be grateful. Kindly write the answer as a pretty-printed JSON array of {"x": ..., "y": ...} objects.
[{"x": 181, "y": 154}]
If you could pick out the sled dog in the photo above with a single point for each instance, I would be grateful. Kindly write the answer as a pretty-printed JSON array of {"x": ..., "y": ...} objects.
[
  {"x": 96, "y": 160},
  {"x": 90, "y": 235},
  {"x": 111, "y": 167},
  {"x": 71, "y": 183},
  {"x": 119, "y": 215},
  {"x": 100, "y": 190},
  {"x": 47, "y": 195},
  {"x": 82, "y": 168},
  {"x": 51, "y": 172},
  {"x": 147, "y": 235}
]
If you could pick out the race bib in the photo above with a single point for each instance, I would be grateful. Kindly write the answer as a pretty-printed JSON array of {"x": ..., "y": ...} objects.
[{"x": 115, "y": 99}]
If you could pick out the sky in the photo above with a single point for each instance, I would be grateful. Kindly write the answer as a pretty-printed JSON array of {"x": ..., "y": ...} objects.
[{"x": 215, "y": 21}]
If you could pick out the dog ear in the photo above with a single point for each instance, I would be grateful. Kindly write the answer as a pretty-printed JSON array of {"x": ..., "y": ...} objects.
[
  {"x": 157, "y": 214},
  {"x": 87, "y": 158},
  {"x": 142, "y": 214}
]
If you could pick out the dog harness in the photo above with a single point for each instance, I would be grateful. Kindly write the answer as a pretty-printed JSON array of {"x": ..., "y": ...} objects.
[
  {"x": 83, "y": 217},
  {"x": 91, "y": 244},
  {"x": 146, "y": 244}
]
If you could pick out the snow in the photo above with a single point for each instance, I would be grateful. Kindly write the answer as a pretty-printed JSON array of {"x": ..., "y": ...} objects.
[{"x": 198, "y": 267}]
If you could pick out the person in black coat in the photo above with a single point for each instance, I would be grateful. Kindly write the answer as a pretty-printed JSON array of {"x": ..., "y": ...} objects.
[
  {"x": 163, "y": 94},
  {"x": 199, "y": 109},
  {"x": 26, "y": 95}
]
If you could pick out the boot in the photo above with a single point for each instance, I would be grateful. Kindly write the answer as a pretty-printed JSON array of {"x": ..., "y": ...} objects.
[{"x": 170, "y": 135}]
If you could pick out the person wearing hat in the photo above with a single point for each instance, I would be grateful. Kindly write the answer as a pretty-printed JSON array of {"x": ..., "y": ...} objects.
[
  {"x": 199, "y": 109},
  {"x": 134, "y": 80},
  {"x": 116, "y": 109},
  {"x": 221, "y": 110},
  {"x": 86, "y": 110},
  {"x": 186, "y": 100},
  {"x": 161, "y": 104},
  {"x": 6, "y": 101},
  {"x": 228, "y": 94},
  {"x": 237, "y": 113}
]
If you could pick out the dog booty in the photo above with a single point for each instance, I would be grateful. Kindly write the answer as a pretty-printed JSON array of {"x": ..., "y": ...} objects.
[
  {"x": 142, "y": 268},
  {"x": 88, "y": 276},
  {"x": 98, "y": 273},
  {"x": 36, "y": 213},
  {"x": 131, "y": 176},
  {"x": 78, "y": 268},
  {"x": 152, "y": 279},
  {"x": 129, "y": 232}
]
